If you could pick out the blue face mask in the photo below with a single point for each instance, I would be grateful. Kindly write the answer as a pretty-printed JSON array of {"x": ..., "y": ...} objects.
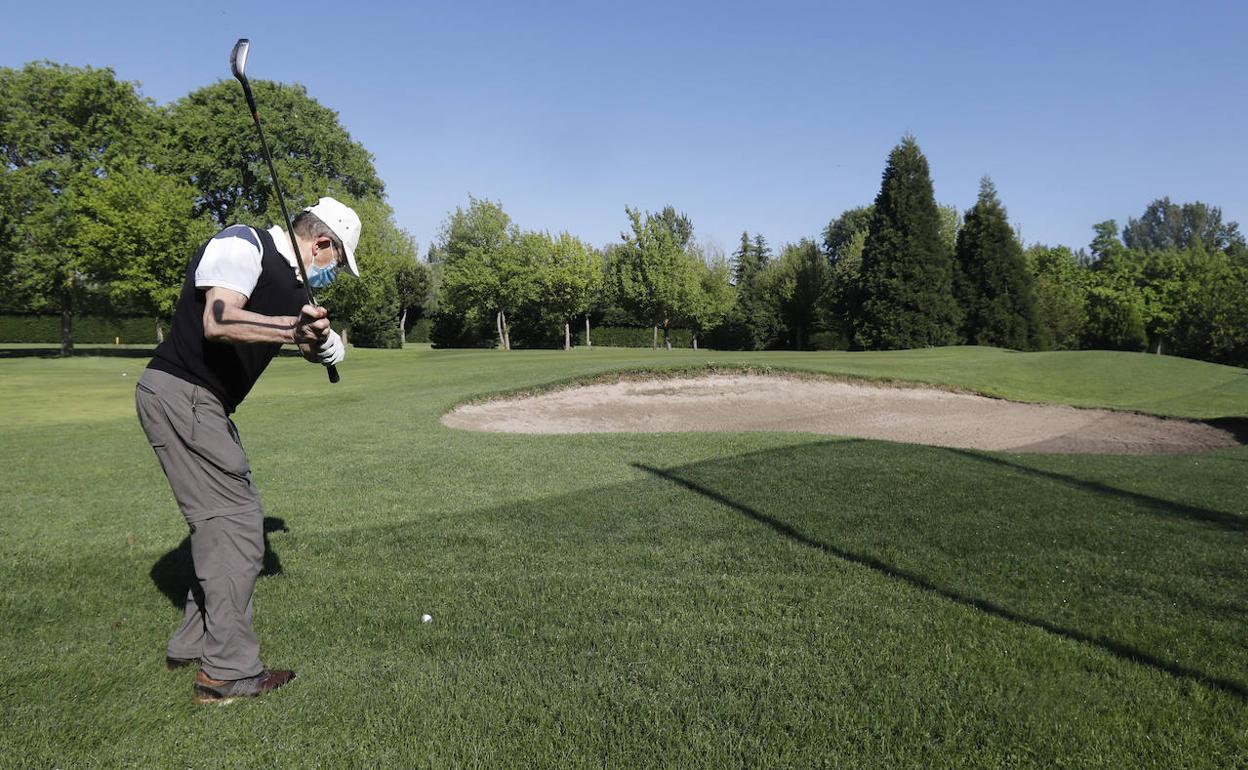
[{"x": 320, "y": 277}]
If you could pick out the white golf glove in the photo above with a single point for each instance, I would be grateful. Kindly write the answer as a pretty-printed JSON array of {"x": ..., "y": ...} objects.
[{"x": 332, "y": 351}]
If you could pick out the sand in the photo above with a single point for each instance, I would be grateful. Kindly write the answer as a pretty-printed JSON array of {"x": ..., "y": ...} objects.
[{"x": 746, "y": 402}]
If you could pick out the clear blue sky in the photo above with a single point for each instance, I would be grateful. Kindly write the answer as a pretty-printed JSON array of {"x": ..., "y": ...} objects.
[{"x": 768, "y": 117}]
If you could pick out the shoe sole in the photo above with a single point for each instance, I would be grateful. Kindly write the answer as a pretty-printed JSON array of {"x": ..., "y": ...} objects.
[
  {"x": 209, "y": 700},
  {"x": 204, "y": 698}
]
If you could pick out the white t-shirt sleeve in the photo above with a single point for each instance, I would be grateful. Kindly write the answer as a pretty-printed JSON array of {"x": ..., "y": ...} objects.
[{"x": 231, "y": 260}]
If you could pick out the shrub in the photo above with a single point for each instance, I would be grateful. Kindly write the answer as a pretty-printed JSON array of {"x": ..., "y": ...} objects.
[
  {"x": 633, "y": 337},
  {"x": 375, "y": 328},
  {"x": 829, "y": 340},
  {"x": 87, "y": 330},
  {"x": 419, "y": 331},
  {"x": 1114, "y": 322},
  {"x": 450, "y": 330}
]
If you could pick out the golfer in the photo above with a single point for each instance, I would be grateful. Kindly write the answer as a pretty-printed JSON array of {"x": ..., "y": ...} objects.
[{"x": 241, "y": 301}]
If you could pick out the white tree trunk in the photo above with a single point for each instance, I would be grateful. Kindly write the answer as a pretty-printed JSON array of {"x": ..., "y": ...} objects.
[
  {"x": 67, "y": 324},
  {"x": 654, "y": 343},
  {"x": 403, "y": 326},
  {"x": 160, "y": 332},
  {"x": 567, "y": 336},
  {"x": 498, "y": 322},
  {"x": 695, "y": 340},
  {"x": 588, "y": 344},
  {"x": 506, "y": 333}
]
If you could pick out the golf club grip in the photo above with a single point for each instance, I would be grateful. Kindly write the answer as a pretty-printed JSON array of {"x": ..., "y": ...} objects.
[{"x": 333, "y": 373}]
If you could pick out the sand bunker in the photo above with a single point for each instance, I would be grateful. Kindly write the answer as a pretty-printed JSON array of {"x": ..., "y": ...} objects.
[{"x": 766, "y": 403}]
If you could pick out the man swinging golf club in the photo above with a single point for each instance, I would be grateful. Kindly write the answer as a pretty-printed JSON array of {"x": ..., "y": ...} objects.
[{"x": 243, "y": 298}]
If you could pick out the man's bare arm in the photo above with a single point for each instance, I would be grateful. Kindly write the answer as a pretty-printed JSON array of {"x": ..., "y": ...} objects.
[{"x": 225, "y": 320}]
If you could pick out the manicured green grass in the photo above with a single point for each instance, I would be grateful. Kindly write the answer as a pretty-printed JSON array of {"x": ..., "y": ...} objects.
[{"x": 741, "y": 600}]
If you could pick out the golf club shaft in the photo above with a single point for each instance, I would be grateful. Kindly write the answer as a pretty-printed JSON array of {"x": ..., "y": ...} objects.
[{"x": 277, "y": 188}]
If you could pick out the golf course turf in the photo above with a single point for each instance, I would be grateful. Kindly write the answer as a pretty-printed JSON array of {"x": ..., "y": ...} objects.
[{"x": 608, "y": 600}]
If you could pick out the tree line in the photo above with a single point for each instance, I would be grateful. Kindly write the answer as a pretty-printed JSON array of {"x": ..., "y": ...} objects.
[
  {"x": 498, "y": 284},
  {"x": 105, "y": 195},
  {"x": 901, "y": 272}
]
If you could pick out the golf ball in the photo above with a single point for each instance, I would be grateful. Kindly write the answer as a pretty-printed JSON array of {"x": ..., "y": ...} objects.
[{"x": 426, "y": 618}]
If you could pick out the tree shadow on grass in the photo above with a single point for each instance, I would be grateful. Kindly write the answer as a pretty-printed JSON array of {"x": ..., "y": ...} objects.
[
  {"x": 174, "y": 573},
  {"x": 1236, "y": 426},
  {"x": 1154, "y": 505},
  {"x": 994, "y": 542}
]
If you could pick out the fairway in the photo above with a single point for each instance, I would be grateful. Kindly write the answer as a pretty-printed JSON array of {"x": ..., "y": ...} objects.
[{"x": 653, "y": 600}]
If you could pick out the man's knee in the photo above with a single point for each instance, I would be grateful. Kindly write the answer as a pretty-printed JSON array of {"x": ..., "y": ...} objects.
[{"x": 228, "y": 545}]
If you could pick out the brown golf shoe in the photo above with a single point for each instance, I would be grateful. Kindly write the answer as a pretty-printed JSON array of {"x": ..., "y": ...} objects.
[
  {"x": 223, "y": 691},
  {"x": 173, "y": 664}
]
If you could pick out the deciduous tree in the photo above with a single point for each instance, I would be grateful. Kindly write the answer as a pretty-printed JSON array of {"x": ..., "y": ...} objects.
[
  {"x": 1172, "y": 226},
  {"x": 843, "y": 241},
  {"x": 59, "y": 127},
  {"x": 569, "y": 278},
  {"x": 484, "y": 274},
  {"x": 1115, "y": 320},
  {"x": 653, "y": 274},
  {"x": 1060, "y": 286},
  {"x": 845, "y": 235},
  {"x": 802, "y": 278},
  {"x": 715, "y": 296},
  {"x": 135, "y": 231},
  {"x": 392, "y": 280},
  {"x": 209, "y": 141}
]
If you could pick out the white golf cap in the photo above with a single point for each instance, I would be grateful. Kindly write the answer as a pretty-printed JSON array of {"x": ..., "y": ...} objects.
[{"x": 345, "y": 223}]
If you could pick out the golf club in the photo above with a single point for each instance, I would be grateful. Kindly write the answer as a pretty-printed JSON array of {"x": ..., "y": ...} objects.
[{"x": 238, "y": 65}]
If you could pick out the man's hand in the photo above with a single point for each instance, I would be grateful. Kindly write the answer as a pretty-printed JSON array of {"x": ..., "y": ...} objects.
[
  {"x": 331, "y": 351},
  {"x": 313, "y": 326}
]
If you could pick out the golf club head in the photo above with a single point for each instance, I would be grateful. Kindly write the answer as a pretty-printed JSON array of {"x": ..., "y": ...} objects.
[{"x": 238, "y": 59}]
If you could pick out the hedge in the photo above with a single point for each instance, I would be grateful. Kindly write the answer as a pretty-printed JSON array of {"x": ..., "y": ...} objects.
[
  {"x": 633, "y": 337},
  {"x": 87, "y": 330}
]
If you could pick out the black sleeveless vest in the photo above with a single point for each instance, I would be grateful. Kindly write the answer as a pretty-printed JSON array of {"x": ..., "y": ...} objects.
[{"x": 228, "y": 369}]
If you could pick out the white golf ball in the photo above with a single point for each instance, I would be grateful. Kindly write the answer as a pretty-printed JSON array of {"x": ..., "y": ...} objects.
[{"x": 426, "y": 618}]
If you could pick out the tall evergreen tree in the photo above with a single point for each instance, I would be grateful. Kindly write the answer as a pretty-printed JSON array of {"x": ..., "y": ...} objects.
[
  {"x": 992, "y": 284},
  {"x": 745, "y": 260},
  {"x": 679, "y": 225},
  {"x": 762, "y": 252},
  {"x": 906, "y": 297},
  {"x": 752, "y": 323}
]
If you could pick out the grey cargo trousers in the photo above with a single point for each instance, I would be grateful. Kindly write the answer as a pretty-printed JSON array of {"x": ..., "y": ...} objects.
[{"x": 203, "y": 459}]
